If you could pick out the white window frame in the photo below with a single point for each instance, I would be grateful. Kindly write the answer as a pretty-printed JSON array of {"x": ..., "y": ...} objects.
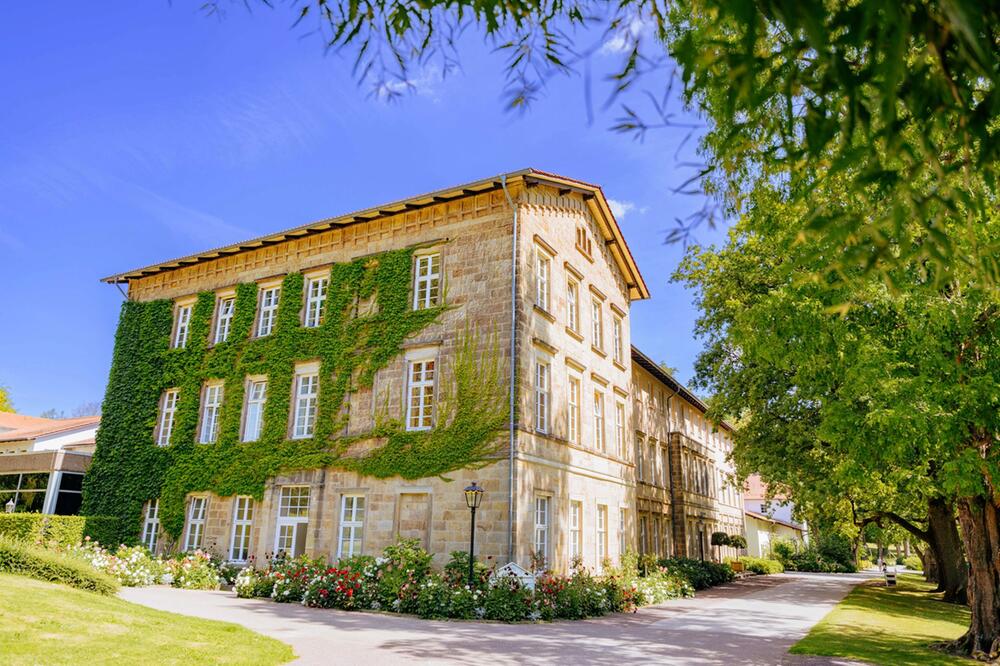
[
  {"x": 573, "y": 304},
  {"x": 543, "y": 395},
  {"x": 253, "y": 409},
  {"x": 267, "y": 315},
  {"x": 640, "y": 456},
  {"x": 168, "y": 415},
  {"x": 426, "y": 280},
  {"x": 575, "y": 529},
  {"x": 182, "y": 325},
  {"x": 211, "y": 405},
  {"x": 225, "y": 307},
  {"x": 543, "y": 525},
  {"x": 239, "y": 543},
  {"x": 574, "y": 393},
  {"x": 602, "y": 534},
  {"x": 151, "y": 525},
  {"x": 306, "y": 401},
  {"x": 316, "y": 291},
  {"x": 543, "y": 278},
  {"x": 597, "y": 319},
  {"x": 294, "y": 522},
  {"x": 350, "y": 539},
  {"x": 620, "y": 427},
  {"x": 616, "y": 338},
  {"x": 195, "y": 533},
  {"x": 599, "y": 421},
  {"x": 421, "y": 394}
]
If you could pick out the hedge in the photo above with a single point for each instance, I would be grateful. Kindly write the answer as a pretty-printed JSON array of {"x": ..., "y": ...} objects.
[
  {"x": 761, "y": 565},
  {"x": 18, "y": 557},
  {"x": 63, "y": 530}
]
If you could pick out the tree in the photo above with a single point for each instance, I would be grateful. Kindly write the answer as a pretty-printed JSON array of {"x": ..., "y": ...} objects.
[
  {"x": 53, "y": 413},
  {"x": 5, "y": 403},
  {"x": 91, "y": 408},
  {"x": 888, "y": 95}
]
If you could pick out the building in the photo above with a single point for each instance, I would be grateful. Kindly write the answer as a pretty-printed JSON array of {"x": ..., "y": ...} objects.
[
  {"x": 535, "y": 259},
  {"x": 769, "y": 519},
  {"x": 43, "y": 461}
]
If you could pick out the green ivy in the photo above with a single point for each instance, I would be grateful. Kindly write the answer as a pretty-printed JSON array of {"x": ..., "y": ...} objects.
[{"x": 366, "y": 319}]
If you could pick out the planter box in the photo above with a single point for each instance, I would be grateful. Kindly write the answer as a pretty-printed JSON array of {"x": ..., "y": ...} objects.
[{"x": 736, "y": 566}]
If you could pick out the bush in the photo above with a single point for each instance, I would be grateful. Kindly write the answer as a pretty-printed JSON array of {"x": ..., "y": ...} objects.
[
  {"x": 24, "y": 559},
  {"x": 252, "y": 583},
  {"x": 291, "y": 578},
  {"x": 404, "y": 566},
  {"x": 64, "y": 531},
  {"x": 810, "y": 560},
  {"x": 506, "y": 600},
  {"x": 913, "y": 562},
  {"x": 738, "y": 541},
  {"x": 720, "y": 539},
  {"x": 699, "y": 573},
  {"x": 131, "y": 566},
  {"x": 334, "y": 588},
  {"x": 761, "y": 565},
  {"x": 783, "y": 550},
  {"x": 194, "y": 571}
]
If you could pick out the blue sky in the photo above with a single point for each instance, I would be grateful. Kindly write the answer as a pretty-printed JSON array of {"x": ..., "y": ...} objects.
[{"x": 137, "y": 132}]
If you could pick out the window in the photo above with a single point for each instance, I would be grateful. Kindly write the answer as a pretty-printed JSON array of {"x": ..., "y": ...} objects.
[
  {"x": 640, "y": 472},
  {"x": 239, "y": 546},
  {"x": 654, "y": 537},
  {"x": 306, "y": 393},
  {"x": 583, "y": 243},
  {"x": 420, "y": 395},
  {"x": 542, "y": 529},
  {"x": 196, "y": 523},
  {"x": 224, "y": 308},
  {"x": 573, "y": 305},
  {"x": 253, "y": 417},
  {"x": 616, "y": 339},
  {"x": 575, "y": 534},
  {"x": 622, "y": 531},
  {"x": 541, "y": 396},
  {"x": 151, "y": 525},
  {"x": 182, "y": 326},
  {"x": 427, "y": 281},
  {"x": 652, "y": 461},
  {"x": 599, "y": 420},
  {"x": 597, "y": 318},
  {"x": 352, "y": 521},
  {"x": 643, "y": 543},
  {"x": 543, "y": 269},
  {"x": 315, "y": 296},
  {"x": 210, "y": 405},
  {"x": 620, "y": 428},
  {"x": 268, "y": 310},
  {"x": 168, "y": 410},
  {"x": 665, "y": 467},
  {"x": 574, "y": 409},
  {"x": 602, "y": 534},
  {"x": 293, "y": 521}
]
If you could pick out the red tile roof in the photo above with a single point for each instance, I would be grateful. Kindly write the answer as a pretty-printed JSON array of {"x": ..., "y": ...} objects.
[{"x": 16, "y": 427}]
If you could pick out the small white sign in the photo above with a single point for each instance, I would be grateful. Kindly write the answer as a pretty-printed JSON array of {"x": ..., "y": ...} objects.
[{"x": 514, "y": 569}]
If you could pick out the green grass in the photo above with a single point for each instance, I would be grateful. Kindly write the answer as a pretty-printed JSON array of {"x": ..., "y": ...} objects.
[
  {"x": 45, "y": 623},
  {"x": 888, "y": 625}
]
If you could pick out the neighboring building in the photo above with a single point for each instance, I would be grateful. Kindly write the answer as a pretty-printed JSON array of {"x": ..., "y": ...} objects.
[
  {"x": 566, "y": 490},
  {"x": 43, "y": 461},
  {"x": 684, "y": 492},
  {"x": 769, "y": 519}
]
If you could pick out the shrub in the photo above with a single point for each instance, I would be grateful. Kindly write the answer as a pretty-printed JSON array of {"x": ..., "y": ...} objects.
[
  {"x": 783, "y": 550},
  {"x": 194, "y": 571},
  {"x": 720, "y": 539},
  {"x": 761, "y": 565},
  {"x": 401, "y": 570},
  {"x": 699, "y": 573},
  {"x": 913, "y": 562},
  {"x": 456, "y": 571},
  {"x": 738, "y": 541},
  {"x": 291, "y": 577},
  {"x": 60, "y": 530},
  {"x": 252, "y": 583},
  {"x": 131, "y": 566},
  {"x": 507, "y": 600},
  {"x": 334, "y": 588},
  {"x": 836, "y": 548},
  {"x": 25, "y": 559},
  {"x": 663, "y": 586}
]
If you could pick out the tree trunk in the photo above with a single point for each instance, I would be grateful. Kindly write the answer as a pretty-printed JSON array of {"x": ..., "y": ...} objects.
[
  {"x": 930, "y": 566},
  {"x": 981, "y": 534},
  {"x": 946, "y": 544}
]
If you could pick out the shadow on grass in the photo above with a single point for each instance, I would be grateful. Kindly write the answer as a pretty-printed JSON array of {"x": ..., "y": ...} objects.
[{"x": 888, "y": 625}]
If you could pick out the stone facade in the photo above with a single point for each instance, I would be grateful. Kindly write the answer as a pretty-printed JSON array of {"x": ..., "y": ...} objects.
[{"x": 583, "y": 406}]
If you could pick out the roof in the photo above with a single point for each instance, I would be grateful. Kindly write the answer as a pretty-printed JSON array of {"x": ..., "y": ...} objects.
[
  {"x": 654, "y": 369},
  {"x": 592, "y": 194},
  {"x": 17, "y": 427},
  {"x": 777, "y": 521},
  {"x": 756, "y": 489}
]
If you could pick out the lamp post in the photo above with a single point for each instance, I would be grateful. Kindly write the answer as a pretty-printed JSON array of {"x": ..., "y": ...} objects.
[
  {"x": 10, "y": 505},
  {"x": 473, "y": 496}
]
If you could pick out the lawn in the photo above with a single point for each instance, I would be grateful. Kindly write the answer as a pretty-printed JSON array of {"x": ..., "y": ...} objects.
[
  {"x": 53, "y": 624},
  {"x": 886, "y": 625}
]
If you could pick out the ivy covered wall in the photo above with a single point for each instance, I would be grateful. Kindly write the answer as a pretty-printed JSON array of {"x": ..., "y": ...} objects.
[{"x": 129, "y": 468}]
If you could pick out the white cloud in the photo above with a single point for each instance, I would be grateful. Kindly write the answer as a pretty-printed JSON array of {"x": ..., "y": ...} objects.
[
  {"x": 620, "y": 209},
  {"x": 626, "y": 37}
]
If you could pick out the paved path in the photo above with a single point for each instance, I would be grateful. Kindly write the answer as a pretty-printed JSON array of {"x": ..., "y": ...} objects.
[{"x": 753, "y": 621}]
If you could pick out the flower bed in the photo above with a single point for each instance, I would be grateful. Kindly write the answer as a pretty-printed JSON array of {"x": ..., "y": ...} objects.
[{"x": 403, "y": 581}]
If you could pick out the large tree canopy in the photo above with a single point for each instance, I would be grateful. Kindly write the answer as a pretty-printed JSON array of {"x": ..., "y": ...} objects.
[{"x": 897, "y": 96}]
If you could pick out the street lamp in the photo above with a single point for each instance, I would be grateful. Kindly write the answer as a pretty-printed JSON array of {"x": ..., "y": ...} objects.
[
  {"x": 473, "y": 496},
  {"x": 10, "y": 505}
]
